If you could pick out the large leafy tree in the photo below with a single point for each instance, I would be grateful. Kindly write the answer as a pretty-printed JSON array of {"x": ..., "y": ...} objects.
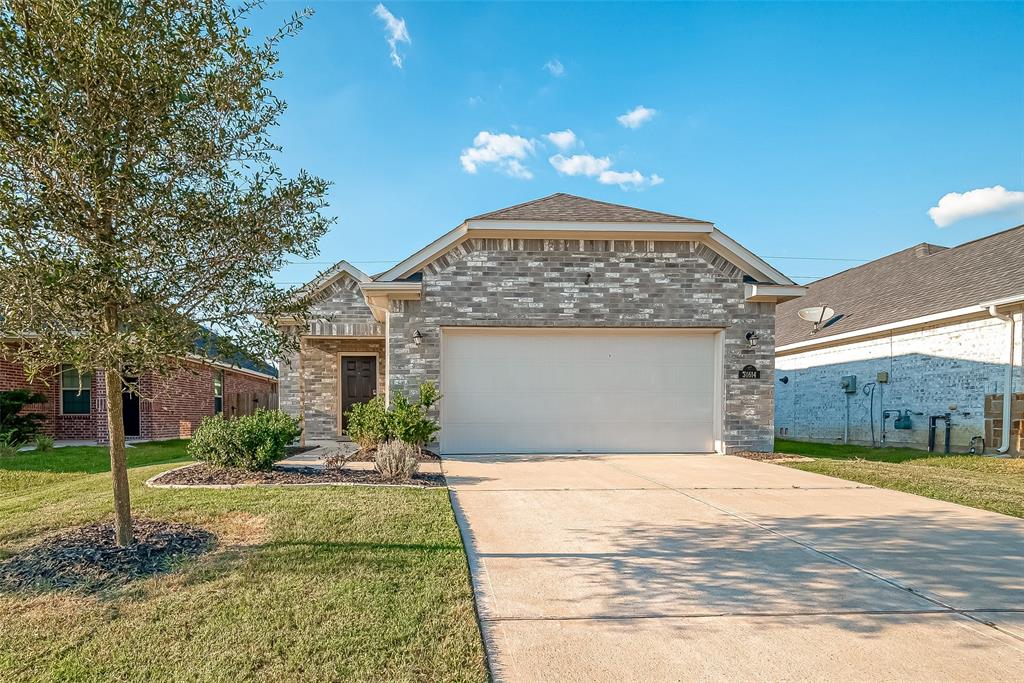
[{"x": 141, "y": 208}]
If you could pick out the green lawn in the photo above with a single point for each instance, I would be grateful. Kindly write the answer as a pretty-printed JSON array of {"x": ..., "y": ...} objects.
[
  {"x": 307, "y": 583},
  {"x": 985, "y": 482}
]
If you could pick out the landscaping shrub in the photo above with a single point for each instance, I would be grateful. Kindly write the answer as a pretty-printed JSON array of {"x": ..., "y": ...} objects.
[
  {"x": 16, "y": 427},
  {"x": 367, "y": 423},
  {"x": 44, "y": 443},
  {"x": 251, "y": 442},
  {"x": 395, "y": 461},
  {"x": 371, "y": 423},
  {"x": 7, "y": 450},
  {"x": 338, "y": 458}
]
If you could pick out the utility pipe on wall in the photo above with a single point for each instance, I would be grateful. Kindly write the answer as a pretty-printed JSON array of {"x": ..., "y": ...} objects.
[{"x": 1008, "y": 384}]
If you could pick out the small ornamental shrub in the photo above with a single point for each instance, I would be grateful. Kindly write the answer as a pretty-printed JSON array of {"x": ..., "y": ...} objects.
[
  {"x": 367, "y": 423},
  {"x": 44, "y": 443},
  {"x": 251, "y": 442},
  {"x": 16, "y": 427},
  {"x": 372, "y": 423},
  {"x": 338, "y": 458},
  {"x": 395, "y": 461},
  {"x": 6, "y": 450}
]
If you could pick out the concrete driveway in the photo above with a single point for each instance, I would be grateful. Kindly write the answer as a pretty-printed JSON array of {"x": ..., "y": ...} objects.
[{"x": 690, "y": 567}]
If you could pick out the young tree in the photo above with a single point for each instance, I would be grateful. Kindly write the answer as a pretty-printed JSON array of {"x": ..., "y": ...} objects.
[{"x": 141, "y": 210}]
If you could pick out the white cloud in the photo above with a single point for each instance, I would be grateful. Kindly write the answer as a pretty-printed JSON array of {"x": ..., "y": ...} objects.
[
  {"x": 631, "y": 180},
  {"x": 636, "y": 117},
  {"x": 474, "y": 100},
  {"x": 555, "y": 68},
  {"x": 562, "y": 139},
  {"x": 580, "y": 164},
  {"x": 504, "y": 151},
  {"x": 396, "y": 32},
  {"x": 956, "y": 206}
]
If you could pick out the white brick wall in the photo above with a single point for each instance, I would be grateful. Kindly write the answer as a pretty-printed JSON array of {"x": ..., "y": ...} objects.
[{"x": 929, "y": 369}]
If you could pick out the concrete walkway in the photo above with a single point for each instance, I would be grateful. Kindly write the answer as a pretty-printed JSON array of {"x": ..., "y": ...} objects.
[{"x": 650, "y": 568}]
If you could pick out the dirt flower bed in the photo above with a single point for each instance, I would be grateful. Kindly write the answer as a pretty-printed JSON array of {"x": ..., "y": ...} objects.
[
  {"x": 760, "y": 455},
  {"x": 207, "y": 475},
  {"x": 367, "y": 455},
  {"x": 86, "y": 557}
]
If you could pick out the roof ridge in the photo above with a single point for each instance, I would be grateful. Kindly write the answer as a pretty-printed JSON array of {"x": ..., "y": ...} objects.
[
  {"x": 986, "y": 237},
  {"x": 657, "y": 216},
  {"x": 520, "y": 205}
]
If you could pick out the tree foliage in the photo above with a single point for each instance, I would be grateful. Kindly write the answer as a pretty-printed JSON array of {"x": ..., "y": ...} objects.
[{"x": 141, "y": 206}]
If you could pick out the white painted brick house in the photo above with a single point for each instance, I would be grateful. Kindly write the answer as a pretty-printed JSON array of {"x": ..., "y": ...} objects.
[
  {"x": 939, "y": 322},
  {"x": 559, "y": 325}
]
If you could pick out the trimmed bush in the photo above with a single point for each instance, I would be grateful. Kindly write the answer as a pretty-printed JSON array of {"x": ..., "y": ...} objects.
[
  {"x": 395, "y": 461},
  {"x": 372, "y": 423},
  {"x": 251, "y": 442},
  {"x": 367, "y": 423}
]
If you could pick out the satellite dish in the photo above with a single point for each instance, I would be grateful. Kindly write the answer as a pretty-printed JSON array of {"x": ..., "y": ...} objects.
[{"x": 816, "y": 315}]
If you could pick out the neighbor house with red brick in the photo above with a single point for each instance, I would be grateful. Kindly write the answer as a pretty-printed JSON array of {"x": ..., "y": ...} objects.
[{"x": 156, "y": 406}]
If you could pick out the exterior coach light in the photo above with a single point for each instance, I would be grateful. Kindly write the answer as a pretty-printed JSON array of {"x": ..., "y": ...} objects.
[
  {"x": 417, "y": 337},
  {"x": 752, "y": 339}
]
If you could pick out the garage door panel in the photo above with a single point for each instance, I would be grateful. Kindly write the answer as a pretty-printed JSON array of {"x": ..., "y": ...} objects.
[{"x": 577, "y": 391}]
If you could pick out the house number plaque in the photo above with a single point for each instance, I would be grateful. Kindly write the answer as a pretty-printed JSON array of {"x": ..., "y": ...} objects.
[{"x": 750, "y": 372}]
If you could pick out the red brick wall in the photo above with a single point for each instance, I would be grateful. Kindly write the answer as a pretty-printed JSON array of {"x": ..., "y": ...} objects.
[
  {"x": 171, "y": 406},
  {"x": 182, "y": 400}
]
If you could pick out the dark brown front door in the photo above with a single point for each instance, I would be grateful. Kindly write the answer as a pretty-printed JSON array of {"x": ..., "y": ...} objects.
[{"x": 358, "y": 382}]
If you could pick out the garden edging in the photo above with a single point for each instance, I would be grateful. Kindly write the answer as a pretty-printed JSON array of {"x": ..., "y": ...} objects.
[{"x": 153, "y": 482}]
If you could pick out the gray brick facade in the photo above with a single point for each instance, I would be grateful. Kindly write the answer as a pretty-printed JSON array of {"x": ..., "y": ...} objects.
[
  {"x": 340, "y": 312},
  {"x": 594, "y": 283}
]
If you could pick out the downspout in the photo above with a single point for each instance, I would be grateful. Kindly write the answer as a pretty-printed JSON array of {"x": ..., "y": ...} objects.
[{"x": 1008, "y": 384}]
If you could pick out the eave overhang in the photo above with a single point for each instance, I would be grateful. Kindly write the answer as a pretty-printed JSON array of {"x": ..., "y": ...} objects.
[
  {"x": 760, "y": 291},
  {"x": 378, "y": 294}
]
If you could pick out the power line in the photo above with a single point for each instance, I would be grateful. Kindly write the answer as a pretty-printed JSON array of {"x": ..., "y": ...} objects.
[{"x": 789, "y": 258}]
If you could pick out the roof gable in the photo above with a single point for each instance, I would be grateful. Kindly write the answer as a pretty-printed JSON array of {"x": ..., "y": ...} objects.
[
  {"x": 564, "y": 215},
  {"x": 567, "y": 207},
  {"x": 922, "y": 280}
]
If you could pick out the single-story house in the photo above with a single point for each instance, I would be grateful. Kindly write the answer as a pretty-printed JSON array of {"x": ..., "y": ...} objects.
[
  {"x": 919, "y": 341},
  {"x": 560, "y": 325},
  {"x": 157, "y": 407}
]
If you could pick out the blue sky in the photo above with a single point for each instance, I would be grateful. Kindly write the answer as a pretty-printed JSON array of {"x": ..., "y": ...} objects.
[{"x": 802, "y": 130}]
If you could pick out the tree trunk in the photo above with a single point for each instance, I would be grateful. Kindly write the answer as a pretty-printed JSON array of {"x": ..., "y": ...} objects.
[
  {"x": 123, "y": 534},
  {"x": 302, "y": 394}
]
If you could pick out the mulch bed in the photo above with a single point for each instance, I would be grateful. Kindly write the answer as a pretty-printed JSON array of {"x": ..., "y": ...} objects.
[
  {"x": 758, "y": 455},
  {"x": 86, "y": 557},
  {"x": 367, "y": 455},
  {"x": 205, "y": 475}
]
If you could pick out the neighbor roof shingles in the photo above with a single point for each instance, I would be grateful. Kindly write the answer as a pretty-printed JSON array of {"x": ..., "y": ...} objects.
[
  {"x": 922, "y": 280},
  {"x": 568, "y": 207}
]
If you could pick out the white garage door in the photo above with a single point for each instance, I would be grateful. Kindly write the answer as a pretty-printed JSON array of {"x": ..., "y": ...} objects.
[{"x": 577, "y": 391}]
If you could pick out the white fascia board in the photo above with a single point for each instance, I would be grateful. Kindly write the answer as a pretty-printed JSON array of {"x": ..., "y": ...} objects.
[
  {"x": 413, "y": 263},
  {"x": 976, "y": 310},
  {"x": 688, "y": 227},
  {"x": 404, "y": 290},
  {"x": 745, "y": 257},
  {"x": 331, "y": 276},
  {"x": 777, "y": 293}
]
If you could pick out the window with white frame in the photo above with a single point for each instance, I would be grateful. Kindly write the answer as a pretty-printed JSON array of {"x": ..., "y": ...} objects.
[
  {"x": 218, "y": 392},
  {"x": 75, "y": 391}
]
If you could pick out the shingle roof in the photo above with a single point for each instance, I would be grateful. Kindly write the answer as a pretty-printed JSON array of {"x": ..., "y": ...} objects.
[
  {"x": 568, "y": 207},
  {"x": 922, "y": 280}
]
